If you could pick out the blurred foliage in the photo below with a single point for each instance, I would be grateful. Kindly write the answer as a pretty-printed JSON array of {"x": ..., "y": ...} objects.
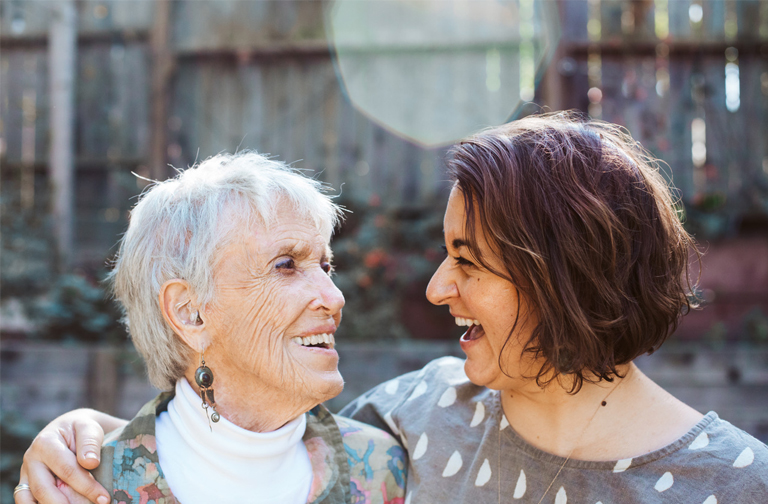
[
  {"x": 384, "y": 259},
  {"x": 72, "y": 306},
  {"x": 77, "y": 308},
  {"x": 26, "y": 247}
]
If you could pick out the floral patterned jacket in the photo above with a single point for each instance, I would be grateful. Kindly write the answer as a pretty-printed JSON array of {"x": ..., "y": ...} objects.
[{"x": 352, "y": 463}]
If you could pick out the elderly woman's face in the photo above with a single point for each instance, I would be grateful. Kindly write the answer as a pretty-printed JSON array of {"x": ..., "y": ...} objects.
[
  {"x": 276, "y": 310},
  {"x": 486, "y": 303}
]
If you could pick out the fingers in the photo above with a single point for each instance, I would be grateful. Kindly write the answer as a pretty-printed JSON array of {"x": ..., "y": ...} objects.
[
  {"x": 89, "y": 436},
  {"x": 50, "y": 455},
  {"x": 71, "y": 495},
  {"x": 80, "y": 480},
  {"x": 42, "y": 486},
  {"x": 24, "y": 496}
]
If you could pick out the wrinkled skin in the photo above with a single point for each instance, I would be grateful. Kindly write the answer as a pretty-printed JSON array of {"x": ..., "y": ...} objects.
[{"x": 272, "y": 284}]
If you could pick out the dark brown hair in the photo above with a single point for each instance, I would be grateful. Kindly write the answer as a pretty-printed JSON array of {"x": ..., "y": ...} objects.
[{"x": 587, "y": 230}]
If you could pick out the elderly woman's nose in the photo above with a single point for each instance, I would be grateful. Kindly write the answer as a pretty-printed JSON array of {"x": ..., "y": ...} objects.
[
  {"x": 442, "y": 287},
  {"x": 327, "y": 296}
]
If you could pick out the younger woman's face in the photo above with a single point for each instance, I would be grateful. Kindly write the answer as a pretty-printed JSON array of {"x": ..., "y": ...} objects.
[{"x": 487, "y": 303}]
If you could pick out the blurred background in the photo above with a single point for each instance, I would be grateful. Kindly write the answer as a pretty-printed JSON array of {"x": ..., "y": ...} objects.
[{"x": 97, "y": 95}]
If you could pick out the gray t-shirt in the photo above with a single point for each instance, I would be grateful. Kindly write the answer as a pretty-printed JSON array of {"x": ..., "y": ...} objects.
[{"x": 462, "y": 450}]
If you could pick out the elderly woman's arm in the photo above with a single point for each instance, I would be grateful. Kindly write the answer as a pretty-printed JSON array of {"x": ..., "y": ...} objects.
[{"x": 66, "y": 449}]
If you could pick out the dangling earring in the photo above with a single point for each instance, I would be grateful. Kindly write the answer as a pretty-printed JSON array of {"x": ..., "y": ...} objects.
[{"x": 204, "y": 380}]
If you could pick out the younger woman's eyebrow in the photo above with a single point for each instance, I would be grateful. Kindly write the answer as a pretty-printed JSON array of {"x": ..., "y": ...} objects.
[{"x": 458, "y": 243}]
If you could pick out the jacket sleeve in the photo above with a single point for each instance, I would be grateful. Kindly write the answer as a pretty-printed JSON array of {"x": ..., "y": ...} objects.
[{"x": 378, "y": 464}]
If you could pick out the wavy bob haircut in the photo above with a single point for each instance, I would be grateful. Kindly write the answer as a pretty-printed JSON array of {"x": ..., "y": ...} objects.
[
  {"x": 179, "y": 226},
  {"x": 587, "y": 229}
]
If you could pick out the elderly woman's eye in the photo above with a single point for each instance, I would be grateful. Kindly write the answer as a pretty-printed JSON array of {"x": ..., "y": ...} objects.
[
  {"x": 287, "y": 264},
  {"x": 327, "y": 267}
]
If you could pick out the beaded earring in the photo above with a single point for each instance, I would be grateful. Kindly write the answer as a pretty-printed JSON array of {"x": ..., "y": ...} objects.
[{"x": 204, "y": 380}]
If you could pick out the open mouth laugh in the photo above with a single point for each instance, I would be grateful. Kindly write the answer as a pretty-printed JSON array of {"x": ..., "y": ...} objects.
[{"x": 475, "y": 330}]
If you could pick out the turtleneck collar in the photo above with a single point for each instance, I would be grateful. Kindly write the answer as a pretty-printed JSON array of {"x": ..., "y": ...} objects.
[{"x": 226, "y": 463}]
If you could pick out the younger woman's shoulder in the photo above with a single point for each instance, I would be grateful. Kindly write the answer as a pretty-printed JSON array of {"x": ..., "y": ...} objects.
[
  {"x": 722, "y": 439},
  {"x": 727, "y": 459},
  {"x": 444, "y": 370}
]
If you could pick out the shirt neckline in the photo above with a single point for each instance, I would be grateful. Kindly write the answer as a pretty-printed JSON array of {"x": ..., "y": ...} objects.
[{"x": 539, "y": 454}]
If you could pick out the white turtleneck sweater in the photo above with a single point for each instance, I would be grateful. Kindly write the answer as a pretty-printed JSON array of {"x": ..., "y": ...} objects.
[{"x": 230, "y": 464}]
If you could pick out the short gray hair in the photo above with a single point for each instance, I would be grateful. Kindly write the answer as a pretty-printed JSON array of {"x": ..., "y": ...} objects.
[{"x": 176, "y": 230}]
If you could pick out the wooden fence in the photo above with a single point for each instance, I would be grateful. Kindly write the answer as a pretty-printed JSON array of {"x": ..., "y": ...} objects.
[{"x": 259, "y": 74}]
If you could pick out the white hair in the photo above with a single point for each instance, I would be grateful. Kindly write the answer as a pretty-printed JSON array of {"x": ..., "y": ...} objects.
[{"x": 176, "y": 230}]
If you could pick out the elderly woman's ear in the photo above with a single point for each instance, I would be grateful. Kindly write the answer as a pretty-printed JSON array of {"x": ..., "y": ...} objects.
[{"x": 177, "y": 302}]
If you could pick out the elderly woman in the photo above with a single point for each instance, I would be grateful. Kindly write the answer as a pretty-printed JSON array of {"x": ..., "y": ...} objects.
[
  {"x": 566, "y": 261},
  {"x": 224, "y": 275}
]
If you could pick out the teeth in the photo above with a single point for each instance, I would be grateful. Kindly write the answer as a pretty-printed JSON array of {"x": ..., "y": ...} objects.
[
  {"x": 476, "y": 322},
  {"x": 315, "y": 339},
  {"x": 466, "y": 322}
]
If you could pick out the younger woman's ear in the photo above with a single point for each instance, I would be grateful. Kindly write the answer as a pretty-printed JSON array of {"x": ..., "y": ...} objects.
[{"x": 180, "y": 311}]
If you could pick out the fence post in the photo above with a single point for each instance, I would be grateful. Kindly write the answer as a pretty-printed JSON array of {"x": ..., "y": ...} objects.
[
  {"x": 62, "y": 53},
  {"x": 162, "y": 70}
]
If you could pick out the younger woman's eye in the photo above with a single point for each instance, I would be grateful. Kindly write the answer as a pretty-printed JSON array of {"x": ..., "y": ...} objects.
[
  {"x": 286, "y": 264},
  {"x": 459, "y": 260},
  {"x": 463, "y": 262}
]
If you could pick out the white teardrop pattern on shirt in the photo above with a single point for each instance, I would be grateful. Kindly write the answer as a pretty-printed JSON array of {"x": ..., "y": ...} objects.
[
  {"x": 520, "y": 487},
  {"x": 504, "y": 422},
  {"x": 418, "y": 391},
  {"x": 710, "y": 500},
  {"x": 448, "y": 397},
  {"x": 561, "y": 498},
  {"x": 701, "y": 441},
  {"x": 421, "y": 447},
  {"x": 622, "y": 465},
  {"x": 391, "y": 387},
  {"x": 453, "y": 465},
  {"x": 665, "y": 482},
  {"x": 479, "y": 415},
  {"x": 408, "y": 498},
  {"x": 745, "y": 458},
  {"x": 484, "y": 474}
]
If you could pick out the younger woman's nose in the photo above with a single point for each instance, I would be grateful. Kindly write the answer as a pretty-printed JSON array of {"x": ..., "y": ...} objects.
[{"x": 442, "y": 287}]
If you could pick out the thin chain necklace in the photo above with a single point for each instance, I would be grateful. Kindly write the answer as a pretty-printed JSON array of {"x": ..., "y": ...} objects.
[{"x": 603, "y": 403}]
